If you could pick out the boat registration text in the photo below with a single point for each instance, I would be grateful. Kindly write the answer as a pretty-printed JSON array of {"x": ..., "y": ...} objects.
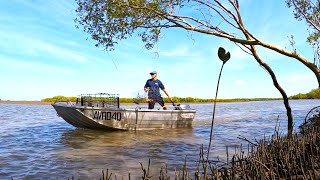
[{"x": 101, "y": 115}]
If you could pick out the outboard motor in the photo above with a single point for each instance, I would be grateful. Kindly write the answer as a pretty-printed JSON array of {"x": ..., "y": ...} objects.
[{"x": 182, "y": 107}]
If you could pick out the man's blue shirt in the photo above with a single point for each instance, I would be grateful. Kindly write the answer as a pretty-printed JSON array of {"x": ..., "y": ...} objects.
[{"x": 154, "y": 86}]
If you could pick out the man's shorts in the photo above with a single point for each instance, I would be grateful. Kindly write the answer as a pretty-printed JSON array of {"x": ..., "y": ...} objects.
[{"x": 155, "y": 99}]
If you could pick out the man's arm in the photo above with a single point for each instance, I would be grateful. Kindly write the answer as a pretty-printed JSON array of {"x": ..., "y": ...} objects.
[
  {"x": 166, "y": 92},
  {"x": 146, "y": 86}
]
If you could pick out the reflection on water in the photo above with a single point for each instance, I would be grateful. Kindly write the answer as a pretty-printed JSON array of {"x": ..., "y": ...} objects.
[
  {"x": 122, "y": 138},
  {"x": 36, "y": 144},
  {"x": 124, "y": 150}
]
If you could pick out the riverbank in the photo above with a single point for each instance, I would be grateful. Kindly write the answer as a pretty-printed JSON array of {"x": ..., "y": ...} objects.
[
  {"x": 125, "y": 104},
  {"x": 41, "y": 102},
  {"x": 121, "y": 104},
  {"x": 25, "y": 102}
]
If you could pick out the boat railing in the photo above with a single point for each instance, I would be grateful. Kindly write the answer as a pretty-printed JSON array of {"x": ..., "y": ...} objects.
[{"x": 103, "y": 100}]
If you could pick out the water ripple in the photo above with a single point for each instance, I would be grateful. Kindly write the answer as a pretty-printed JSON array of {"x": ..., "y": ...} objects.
[{"x": 36, "y": 144}]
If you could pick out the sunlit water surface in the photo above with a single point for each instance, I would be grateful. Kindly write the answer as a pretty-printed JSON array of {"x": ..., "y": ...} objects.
[{"x": 37, "y": 144}]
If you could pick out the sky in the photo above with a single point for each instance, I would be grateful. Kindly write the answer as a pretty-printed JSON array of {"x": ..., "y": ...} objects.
[{"x": 43, "y": 54}]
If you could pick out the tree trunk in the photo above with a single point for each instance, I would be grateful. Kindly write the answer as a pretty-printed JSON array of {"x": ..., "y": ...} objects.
[
  {"x": 276, "y": 84},
  {"x": 318, "y": 78}
]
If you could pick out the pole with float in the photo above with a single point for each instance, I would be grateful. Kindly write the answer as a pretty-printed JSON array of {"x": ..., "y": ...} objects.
[{"x": 224, "y": 57}]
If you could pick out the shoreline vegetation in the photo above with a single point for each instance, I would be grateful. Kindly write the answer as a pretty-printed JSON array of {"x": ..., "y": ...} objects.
[
  {"x": 125, "y": 101},
  {"x": 175, "y": 99},
  {"x": 24, "y": 102},
  {"x": 276, "y": 157},
  {"x": 128, "y": 102},
  {"x": 313, "y": 94}
]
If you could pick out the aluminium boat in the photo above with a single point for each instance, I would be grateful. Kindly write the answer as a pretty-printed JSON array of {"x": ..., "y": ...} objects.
[{"x": 103, "y": 111}]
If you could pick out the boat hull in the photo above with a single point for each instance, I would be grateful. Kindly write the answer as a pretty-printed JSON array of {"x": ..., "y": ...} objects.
[{"x": 124, "y": 119}]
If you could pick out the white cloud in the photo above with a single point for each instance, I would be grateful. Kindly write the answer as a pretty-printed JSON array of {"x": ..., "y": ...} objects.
[
  {"x": 34, "y": 66},
  {"x": 301, "y": 82},
  {"x": 54, "y": 50},
  {"x": 20, "y": 43},
  {"x": 295, "y": 78},
  {"x": 238, "y": 54},
  {"x": 179, "y": 51},
  {"x": 39, "y": 37},
  {"x": 240, "y": 82}
]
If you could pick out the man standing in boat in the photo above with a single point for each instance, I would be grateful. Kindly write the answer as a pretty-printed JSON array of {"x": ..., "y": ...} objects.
[{"x": 153, "y": 87}]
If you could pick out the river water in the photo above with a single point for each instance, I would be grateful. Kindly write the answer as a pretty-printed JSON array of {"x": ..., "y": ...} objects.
[{"x": 37, "y": 144}]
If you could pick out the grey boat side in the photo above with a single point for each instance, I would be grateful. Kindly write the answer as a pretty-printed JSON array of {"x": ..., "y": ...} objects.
[{"x": 124, "y": 119}]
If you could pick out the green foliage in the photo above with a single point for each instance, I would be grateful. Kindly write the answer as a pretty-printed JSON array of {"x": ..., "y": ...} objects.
[
  {"x": 108, "y": 21},
  {"x": 175, "y": 99},
  {"x": 126, "y": 100},
  {"x": 299, "y": 96},
  {"x": 59, "y": 98},
  {"x": 199, "y": 100},
  {"x": 313, "y": 94},
  {"x": 309, "y": 11}
]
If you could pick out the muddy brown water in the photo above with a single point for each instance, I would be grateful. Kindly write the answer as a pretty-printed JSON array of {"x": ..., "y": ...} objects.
[{"x": 37, "y": 144}]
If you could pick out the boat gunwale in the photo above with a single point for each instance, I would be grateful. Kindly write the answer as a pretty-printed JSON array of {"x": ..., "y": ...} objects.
[{"x": 126, "y": 110}]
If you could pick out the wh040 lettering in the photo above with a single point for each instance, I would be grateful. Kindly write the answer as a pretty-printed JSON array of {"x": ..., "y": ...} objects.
[{"x": 107, "y": 115}]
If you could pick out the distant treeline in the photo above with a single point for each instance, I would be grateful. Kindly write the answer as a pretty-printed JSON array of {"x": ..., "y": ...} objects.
[
  {"x": 175, "y": 99},
  {"x": 59, "y": 98},
  {"x": 199, "y": 100},
  {"x": 313, "y": 94}
]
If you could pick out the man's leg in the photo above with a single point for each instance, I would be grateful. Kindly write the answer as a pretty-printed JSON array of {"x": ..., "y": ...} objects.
[
  {"x": 151, "y": 105},
  {"x": 161, "y": 102},
  {"x": 151, "y": 102}
]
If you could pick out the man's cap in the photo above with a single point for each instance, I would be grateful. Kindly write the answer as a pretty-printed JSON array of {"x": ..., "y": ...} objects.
[{"x": 153, "y": 72}]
